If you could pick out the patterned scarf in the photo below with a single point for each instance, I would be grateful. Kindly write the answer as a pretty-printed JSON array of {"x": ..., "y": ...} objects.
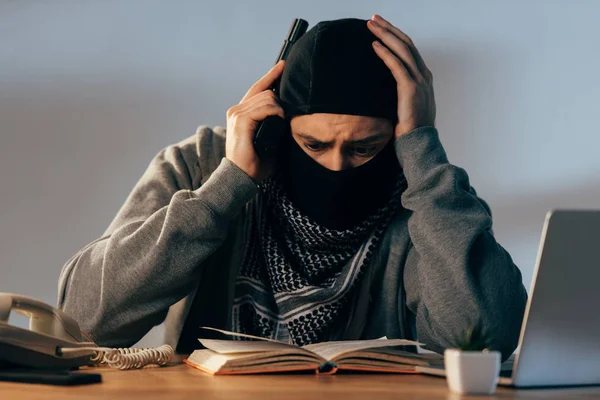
[{"x": 296, "y": 275}]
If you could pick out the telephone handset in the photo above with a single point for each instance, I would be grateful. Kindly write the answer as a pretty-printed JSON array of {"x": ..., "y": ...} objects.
[
  {"x": 54, "y": 340},
  {"x": 273, "y": 130},
  {"x": 49, "y": 329}
]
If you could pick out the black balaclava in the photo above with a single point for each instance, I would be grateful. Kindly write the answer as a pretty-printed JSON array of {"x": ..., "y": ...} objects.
[{"x": 334, "y": 69}]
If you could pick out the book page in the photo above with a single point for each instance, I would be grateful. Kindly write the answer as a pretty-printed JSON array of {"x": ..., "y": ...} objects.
[
  {"x": 209, "y": 360},
  {"x": 387, "y": 355},
  {"x": 245, "y": 346},
  {"x": 331, "y": 350},
  {"x": 429, "y": 357},
  {"x": 249, "y": 363},
  {"x": 376, "y": 366},
  {"x": 244, "y": 335}
]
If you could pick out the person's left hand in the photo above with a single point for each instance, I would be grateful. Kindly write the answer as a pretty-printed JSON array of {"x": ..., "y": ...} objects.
[{"x": 414, "y": 81}]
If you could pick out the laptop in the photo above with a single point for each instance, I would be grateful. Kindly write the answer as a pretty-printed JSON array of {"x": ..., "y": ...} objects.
[{"x": 560, "y": 336}]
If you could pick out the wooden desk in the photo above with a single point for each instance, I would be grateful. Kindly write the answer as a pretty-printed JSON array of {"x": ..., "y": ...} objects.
[{"x": 183, "y": 382}]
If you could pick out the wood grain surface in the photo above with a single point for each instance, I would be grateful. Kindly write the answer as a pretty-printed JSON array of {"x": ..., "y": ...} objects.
[{"x": 180, "y": 381}]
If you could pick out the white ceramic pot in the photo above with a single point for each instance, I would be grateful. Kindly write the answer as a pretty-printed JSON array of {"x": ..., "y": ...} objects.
[{"x": 472, "y": 372}]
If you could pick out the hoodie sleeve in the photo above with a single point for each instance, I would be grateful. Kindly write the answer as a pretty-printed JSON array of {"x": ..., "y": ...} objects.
[
  {"x": 122, "y": 284},
  {"x": 456, "y": 274}
]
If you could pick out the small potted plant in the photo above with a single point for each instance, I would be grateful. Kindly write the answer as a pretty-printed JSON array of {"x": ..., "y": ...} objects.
[{"x": 472, "y": 368}]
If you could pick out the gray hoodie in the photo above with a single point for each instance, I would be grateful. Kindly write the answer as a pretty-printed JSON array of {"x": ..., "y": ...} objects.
[{"x": 173, "y": 252}]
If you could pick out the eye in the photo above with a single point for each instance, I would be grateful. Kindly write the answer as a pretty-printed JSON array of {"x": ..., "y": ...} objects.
[
  {"x": 363, "y": 151},
  {"x": 314, "y": 146}
]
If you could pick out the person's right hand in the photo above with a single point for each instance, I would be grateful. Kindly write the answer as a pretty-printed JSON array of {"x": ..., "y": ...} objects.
[{"x": 242, "y": 122}]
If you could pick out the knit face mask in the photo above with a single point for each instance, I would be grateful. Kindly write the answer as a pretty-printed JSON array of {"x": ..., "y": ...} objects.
[
  {"x": 339, "y": 199},
  {"x": 334, "y": 69}
]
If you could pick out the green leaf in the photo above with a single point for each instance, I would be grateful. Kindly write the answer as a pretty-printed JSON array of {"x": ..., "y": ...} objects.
[{"x": 473, "y": 339}]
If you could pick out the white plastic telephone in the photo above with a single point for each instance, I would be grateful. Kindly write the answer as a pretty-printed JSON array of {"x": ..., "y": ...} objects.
[{"x": 54, "y": 340}]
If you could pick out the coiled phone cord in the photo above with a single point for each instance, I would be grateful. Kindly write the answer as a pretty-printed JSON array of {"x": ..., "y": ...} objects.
[{"x": 127, "y": 358}]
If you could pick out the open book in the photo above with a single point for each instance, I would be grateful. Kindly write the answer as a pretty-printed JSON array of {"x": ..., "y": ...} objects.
[{"x": 228, "y": 357}]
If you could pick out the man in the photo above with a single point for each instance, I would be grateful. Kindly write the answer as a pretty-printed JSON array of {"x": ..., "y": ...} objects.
[{"x": 360, "y": 229}]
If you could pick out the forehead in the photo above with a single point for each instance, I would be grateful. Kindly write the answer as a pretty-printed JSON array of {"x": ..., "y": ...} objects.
[{"x": 325, "y": 126}]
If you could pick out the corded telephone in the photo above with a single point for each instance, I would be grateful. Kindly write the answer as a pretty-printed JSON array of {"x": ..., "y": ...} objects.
[
  {"x": 273, "y": 130},
  {"x": 54, "y": 340}
]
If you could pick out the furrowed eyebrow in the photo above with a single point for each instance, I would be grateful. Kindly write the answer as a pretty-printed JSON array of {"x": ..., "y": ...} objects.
[
  {"x": 369, "y": 140},
  {"x": 306, "y": 136}
]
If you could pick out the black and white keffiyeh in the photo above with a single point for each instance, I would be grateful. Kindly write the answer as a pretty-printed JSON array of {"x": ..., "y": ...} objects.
[{"x": 296, "y": 275}]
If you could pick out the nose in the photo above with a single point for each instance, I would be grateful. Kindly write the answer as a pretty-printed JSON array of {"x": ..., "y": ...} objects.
[{"x": 336, "y": 161}]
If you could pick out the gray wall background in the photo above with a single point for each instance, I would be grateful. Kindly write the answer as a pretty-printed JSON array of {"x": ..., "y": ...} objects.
[{"x": 90, "y": 91}]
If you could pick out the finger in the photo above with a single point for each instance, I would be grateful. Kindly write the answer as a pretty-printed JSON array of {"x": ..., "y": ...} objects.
[
  {"x": 266, "y": 81},
  {"x": 386, "y": 24},
  {"x": 265, "y": 110},
  {"x": 398, "y": 46},
  {"x": 247, "y": 123},
  {"x": 242, "y": 109},
  {"x": 257, "y": 101},
  {"x": 262, "y": 95},
  {"x": 399, "y": 71}
]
